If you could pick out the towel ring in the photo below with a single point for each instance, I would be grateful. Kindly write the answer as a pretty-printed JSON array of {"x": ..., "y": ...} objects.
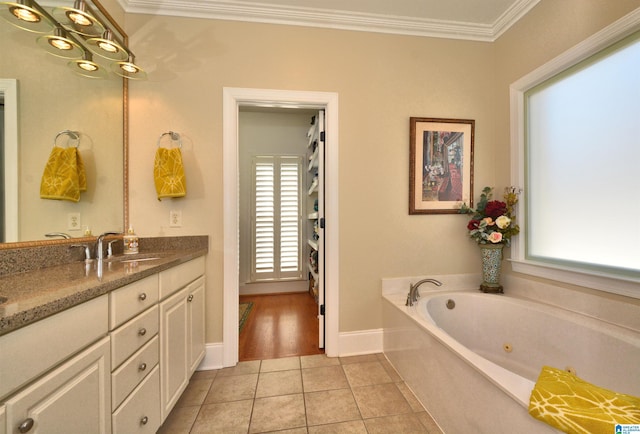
[
  {"x": 73, "y": 135},
  {"x": 175, "y": 137}
]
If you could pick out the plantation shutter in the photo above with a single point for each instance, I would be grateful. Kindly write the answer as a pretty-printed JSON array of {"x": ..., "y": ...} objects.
[
  {"x": 289, "y": 216},
  {"x": 264, "y": 226},
  {"x": 277, "y": 219}
]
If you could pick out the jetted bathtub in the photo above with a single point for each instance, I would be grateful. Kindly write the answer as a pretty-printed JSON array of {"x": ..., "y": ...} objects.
[{"x": 472, "y": 358}]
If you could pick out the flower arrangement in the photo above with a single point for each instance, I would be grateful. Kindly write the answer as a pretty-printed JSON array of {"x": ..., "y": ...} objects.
[{"x": 493, "y": 221}]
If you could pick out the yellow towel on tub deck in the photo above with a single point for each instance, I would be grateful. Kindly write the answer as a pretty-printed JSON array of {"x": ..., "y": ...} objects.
[
  {"x": 575, "y": 406},
  {"x": 168, "y": 173},
  {"x": 64, "y": 175}
]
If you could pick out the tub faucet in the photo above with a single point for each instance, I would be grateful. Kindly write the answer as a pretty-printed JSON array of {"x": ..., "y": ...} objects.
[
  {"x": 414, "y": 295},
  {"x": 99, "y": 249}
]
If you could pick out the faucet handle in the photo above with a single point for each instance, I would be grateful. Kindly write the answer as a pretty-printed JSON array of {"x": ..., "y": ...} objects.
[
  {"x": 110, "y": 249},
  {"x": 87, "y": 251}
]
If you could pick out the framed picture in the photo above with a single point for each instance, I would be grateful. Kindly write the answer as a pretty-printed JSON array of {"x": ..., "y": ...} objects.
[{"x": 440, "y": 165}]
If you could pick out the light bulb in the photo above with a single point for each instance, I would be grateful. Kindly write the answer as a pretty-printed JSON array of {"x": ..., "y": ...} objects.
[
  {"x": 129, "y": 68},
  {"x": 108, "y": 47},
  {"x": 79, "y": 18},
  {"x": 25, "y": 15},
  {"x": 60, "y": 44},
  {"x": 87, "y": 66}
]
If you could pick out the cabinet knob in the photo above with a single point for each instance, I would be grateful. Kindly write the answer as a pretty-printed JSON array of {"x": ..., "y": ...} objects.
[
  {"x": 142, "y": 296},
  {"x": 142, "y": 331},
  {"x": 142, "y": 366},
  {"x": 190, "y": 298},
  {"x": 144, "y": 420},
  {"x": 26, "y": 425}
]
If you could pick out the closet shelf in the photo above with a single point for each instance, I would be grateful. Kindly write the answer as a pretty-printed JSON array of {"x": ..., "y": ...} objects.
[
  {"x": 312, "y": 134},
  {"x": 313, "y": 216},
  {"x": 313, "y": 244},
  {"x": 314, "y": 187},
  {"x": 314, "y": 274},
  {"x": 313, "y": 160}
]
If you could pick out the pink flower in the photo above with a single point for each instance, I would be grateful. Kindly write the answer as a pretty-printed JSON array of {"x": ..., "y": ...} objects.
[
  {"x": 488, "y": 221},
  {"x": 495, "y": 237}
]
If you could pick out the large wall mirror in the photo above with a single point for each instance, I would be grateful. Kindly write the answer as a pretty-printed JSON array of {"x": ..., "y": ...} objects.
[{"x": 41, "y": 98}]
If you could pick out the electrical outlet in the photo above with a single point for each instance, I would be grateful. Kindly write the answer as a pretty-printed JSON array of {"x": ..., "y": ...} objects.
[
  {"x": 73, "y": 221},
  {"x": 175, "y": 219}
]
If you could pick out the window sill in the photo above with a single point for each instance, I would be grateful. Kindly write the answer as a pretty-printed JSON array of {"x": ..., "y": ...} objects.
[{"x": 627, "y": 286}]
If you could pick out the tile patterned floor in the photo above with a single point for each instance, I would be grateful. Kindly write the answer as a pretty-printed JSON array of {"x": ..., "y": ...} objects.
[{"x": 308, "y": 394}]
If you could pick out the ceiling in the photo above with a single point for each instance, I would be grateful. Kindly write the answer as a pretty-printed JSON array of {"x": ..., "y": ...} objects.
[{"x": 481, "y": 20}]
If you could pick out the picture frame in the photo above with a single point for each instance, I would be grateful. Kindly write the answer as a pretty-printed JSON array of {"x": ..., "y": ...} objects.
[{"x": 440, "y": 165}]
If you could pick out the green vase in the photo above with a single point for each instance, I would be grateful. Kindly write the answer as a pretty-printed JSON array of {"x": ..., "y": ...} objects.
[{"x": 491, "y": 266}]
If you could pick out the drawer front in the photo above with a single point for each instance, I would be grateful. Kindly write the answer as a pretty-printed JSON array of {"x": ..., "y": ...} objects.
[
  {"x": 177, "y": 277},
  {"x": 59, "y": 334},
  {"x": 140, "y": 412},
  {"x": 130, "y": 300},
  {"x": 126, "y": 339},
  {"x": 126, "y": 377}
]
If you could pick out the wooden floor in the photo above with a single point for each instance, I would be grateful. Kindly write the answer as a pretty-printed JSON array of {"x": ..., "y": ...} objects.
[{"x": 279, "y": 325}]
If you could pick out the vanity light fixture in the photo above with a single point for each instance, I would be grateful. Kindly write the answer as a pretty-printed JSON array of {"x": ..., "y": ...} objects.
[
  {"x": 79, "y": 19},
  {"x": 128, "y": 69},
  {"x": 86, "y": 67},
  {"x": 107, "y": 47},
  {"x": 26, "y": 15},
  {"x": 60, "y": 44},
  {"x": 77, "y": 32}
]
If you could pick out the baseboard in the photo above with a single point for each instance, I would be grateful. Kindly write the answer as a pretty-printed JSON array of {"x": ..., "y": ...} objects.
[
  {"x": 350, "y": 344},
  {"x": 274, "y": 287},
  {"x": 213, "y": 356},
  {"x": 360, "y": 342}
]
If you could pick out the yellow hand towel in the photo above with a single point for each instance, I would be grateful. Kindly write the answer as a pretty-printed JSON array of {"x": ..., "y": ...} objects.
[
  {"x": 82, "y": 175},
  {"x": 168, "y": 173},
  {"x": 573, "y": 405},
  {"x": 64, "y": 176}
]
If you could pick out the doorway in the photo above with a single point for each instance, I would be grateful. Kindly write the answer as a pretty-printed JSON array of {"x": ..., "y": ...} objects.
[
  {"x": 280, "y": 203},
  {"x": 233, "y": 99}
]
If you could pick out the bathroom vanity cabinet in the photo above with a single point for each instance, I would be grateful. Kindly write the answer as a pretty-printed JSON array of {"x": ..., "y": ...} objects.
[{"x": 117, "y": 363}]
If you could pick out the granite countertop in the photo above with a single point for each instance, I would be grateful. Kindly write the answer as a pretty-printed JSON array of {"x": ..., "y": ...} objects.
[{"x": 31, "y": 296}]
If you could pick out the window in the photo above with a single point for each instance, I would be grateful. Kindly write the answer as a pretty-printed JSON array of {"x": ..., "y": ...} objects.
[
  {"x": 276, "y": 213},
  {"x": 575, "y": 126}
]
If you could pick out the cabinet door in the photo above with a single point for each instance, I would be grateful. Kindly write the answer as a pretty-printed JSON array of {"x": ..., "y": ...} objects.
[
  {"x": 74, "y": 398},
  {"x": 174, "y": 365},
  {"x": 195, "y": 317}
]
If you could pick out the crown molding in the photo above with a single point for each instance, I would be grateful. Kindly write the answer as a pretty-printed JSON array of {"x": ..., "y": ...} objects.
[{"x": 332, "y": 19}]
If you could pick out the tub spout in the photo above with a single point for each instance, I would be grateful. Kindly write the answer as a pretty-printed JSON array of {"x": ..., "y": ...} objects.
[{"x": 414, "y": 295}]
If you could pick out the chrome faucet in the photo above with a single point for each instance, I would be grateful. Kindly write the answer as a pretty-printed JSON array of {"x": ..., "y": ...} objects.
[
  {"x": 99, "y": 249},
  {"x": 414, "y": 295},
  {"x": 58, "y": 234}
]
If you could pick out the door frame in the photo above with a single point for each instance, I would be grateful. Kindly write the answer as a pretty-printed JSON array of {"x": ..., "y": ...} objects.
[{"x": 232, "y": 99}]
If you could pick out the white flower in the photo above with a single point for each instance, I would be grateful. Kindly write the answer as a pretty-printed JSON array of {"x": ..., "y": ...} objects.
[{"x": 503, "y": 221}]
